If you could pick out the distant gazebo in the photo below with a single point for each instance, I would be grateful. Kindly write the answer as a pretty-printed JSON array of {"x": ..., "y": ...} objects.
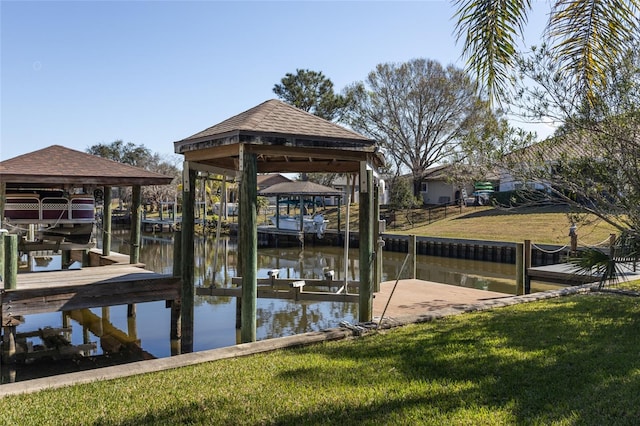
[{"x": 276, "y": 137}]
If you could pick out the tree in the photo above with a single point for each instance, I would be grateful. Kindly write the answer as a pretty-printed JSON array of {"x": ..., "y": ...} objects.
[
  {"x": 129, "y": 153},
  {"x": 587, "y": 37},
  {"x": 420, "y": 112},
  {"x": 592, "y": 161},
  {"x": 311, "y": 91},
  {"x": 143, "y": 157}
]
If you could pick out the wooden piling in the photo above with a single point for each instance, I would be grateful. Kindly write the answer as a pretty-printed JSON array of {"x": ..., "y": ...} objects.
[
  {"x": 188, "y": 264},
  {"x": 413, "y": 261},
  {"x": 10, "y": 276},
  {"x": 527, "y": 265},
  {"x": 366, "y": 244},
  {"x": 106, "y": 222},
  {"x": 519, "y": 269},
  {"x": 376, "y": 238},
  {"x": 248, "y": 246},
  {"x": 136, "y": 221}
]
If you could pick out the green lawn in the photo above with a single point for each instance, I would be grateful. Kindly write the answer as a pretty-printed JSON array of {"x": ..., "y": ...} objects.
[
  {"x": 566, "y": 361},
  {"x": 542, "y": 225}
]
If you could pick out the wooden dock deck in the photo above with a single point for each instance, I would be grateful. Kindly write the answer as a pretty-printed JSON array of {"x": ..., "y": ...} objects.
[{"x": 39, "y": 292}]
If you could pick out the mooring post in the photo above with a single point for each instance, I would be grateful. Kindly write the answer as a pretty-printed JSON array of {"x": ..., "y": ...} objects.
[
  {"x": 527, "y": 265},
  {"x": 377, "y": 266},
  {"x": 248, "y": 245},
  {"x": 187, "y": 250},
  {"x": 175, "y": 305},
  {"x": 519, "y": 269},
  {"x": 412, "y": 252},
  {"x": 366, "y": 244},
  {"x": 136, "y": 221},
  {"x": 106, "y": 222},
  {"x": 2, "y": 255},
  {"x": 10, "y": 276}
]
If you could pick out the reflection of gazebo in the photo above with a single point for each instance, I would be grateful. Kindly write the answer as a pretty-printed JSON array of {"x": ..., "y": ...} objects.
[
  {"x": 300, "y": 190},
  {"x": 275, "y": 137}
]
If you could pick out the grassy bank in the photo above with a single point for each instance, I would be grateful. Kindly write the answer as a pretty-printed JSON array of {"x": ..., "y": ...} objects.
[
  {"x": 542, "y": 225},
  {"x": 571, "y": 360}
]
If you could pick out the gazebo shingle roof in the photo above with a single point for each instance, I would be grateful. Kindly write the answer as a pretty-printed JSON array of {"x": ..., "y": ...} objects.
[
  {"x": 299, "y": 188},
  {"x": 277, "y": 118},
  {"x": 283, "y": 138},
  {"x": 59, "y": 165}
]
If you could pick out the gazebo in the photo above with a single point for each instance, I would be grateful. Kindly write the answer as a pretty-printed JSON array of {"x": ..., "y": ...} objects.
[
  {"x": 64, "y": 168},
  {"x": 276, "y": 137}
]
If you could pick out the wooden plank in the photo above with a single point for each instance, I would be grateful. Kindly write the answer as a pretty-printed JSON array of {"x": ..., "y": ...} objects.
[
  {"x": 290, "y": 294},
  {"x": 286, "y": 282},
  {"x": 107, "y": 293}
]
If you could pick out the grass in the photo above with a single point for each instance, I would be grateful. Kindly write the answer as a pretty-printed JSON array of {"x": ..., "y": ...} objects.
[
  {"x": 542, "y": 225},
  {"x": 565, "y": 361}
]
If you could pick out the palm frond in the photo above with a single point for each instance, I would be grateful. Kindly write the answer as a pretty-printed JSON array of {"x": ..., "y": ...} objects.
[
  {"x": 489, "y": 29},
  {"x": 589, "y": 36}
]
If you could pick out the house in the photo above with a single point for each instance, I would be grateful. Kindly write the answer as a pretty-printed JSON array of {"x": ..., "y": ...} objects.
[{"x": 520, "y": 168}]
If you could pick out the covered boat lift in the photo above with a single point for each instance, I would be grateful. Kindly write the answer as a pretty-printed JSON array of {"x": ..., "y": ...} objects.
[
  {"x": 275, "y": 137},
  {"x": 64, "y": 169}
]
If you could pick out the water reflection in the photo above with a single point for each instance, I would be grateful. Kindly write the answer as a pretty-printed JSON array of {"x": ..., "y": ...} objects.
[{"x": 104, "y": 336}]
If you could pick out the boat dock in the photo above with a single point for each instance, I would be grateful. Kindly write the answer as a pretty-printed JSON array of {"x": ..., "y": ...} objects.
[{"x": 413, "y": 297}]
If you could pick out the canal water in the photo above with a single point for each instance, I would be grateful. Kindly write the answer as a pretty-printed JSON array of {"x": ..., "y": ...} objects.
[{"x": 215, "y": 317}]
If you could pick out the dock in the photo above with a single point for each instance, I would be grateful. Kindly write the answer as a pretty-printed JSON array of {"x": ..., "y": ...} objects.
[
  {"x": 413, "y": 297},
  {"x": 90, "y": 287}
]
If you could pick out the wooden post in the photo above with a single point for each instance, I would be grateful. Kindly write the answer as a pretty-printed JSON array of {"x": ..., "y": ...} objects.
[
  {"x": 248, "y": 246},
  {"x": 412, "y": 253},
  {"x": 519, "y": 269},
  {"x": 10, "y": 275},
  {"x": 136, "y": 220},
  {"x": 366, "y": 244},
  {"x": 2, "y": 256},
  {"x": 106, "y": 222},
  {"x": 612, "y": 245},
  {"x": 3, "y": 200},
  {"x": 188, "y": 264},
  {"x": 527, "y": 265},
  {"x": 377, "y": 240}
]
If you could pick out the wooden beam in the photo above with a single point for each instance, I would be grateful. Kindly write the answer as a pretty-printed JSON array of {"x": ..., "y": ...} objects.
[
  {"x": 293, "y": 293},
  {"x": 305, "y": 166},
  {"x": 222, "y": 151},
  {"x": 315, "y": 153}
]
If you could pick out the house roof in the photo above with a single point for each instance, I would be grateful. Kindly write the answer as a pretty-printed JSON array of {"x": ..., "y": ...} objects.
[
  {"x": 299, "y": 188},
  {"x": 284, "y": 138},
  {"x": 57, "y": 165},
  {"x": 265, "y": 181}
]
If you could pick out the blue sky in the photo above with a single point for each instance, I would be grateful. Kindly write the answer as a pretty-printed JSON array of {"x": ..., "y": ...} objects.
[{"x": 81, "y": 73}]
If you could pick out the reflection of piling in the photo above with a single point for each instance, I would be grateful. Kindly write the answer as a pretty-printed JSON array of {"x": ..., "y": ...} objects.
[{"x": 175, "y": 305}]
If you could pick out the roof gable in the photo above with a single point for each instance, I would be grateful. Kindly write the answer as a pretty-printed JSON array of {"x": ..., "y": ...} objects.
[
  {"x": 60, "y": 165},
  {"x": 274, "y": 117}
]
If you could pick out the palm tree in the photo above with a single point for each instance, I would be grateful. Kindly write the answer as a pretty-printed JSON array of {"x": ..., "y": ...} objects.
[{"x": 585, "y": 36}]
